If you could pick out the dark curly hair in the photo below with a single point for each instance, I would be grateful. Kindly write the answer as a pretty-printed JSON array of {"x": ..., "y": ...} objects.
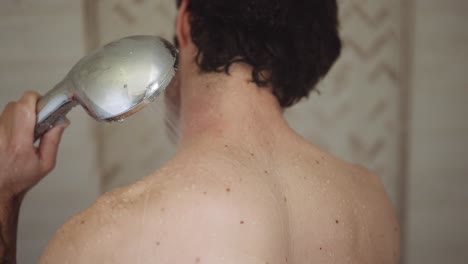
[{"x": 291, "y": 44}]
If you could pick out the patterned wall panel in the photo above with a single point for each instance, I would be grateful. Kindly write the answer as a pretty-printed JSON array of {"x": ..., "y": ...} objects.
[{"x": 357, "y": 116}]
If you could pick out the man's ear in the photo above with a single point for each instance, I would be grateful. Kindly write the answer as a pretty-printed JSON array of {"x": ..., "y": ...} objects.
[{"x": 183, "y": 25}]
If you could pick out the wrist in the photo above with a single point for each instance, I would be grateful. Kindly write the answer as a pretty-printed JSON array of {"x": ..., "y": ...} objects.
[
  {"x": 8, "y": 197},
  {"x": 10, "y": 192}
]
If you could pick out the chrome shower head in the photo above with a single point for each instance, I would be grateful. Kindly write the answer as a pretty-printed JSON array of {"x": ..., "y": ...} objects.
[{"x": 111, "y": 83}]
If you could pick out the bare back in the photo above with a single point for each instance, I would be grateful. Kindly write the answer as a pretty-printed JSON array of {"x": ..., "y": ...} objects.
[{"x": 218, "y": 203}]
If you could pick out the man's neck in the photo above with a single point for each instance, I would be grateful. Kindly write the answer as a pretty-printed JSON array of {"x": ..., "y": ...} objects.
[{"x": 231, "y": 108}]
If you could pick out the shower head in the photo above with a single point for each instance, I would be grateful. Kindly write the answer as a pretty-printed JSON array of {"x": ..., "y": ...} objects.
[{"x": 111, "y": 83}]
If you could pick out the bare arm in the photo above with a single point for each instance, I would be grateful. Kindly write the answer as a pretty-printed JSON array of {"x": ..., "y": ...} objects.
[
  {"x": 9, "y": 211},
  {"x": 22, "y": 165}
]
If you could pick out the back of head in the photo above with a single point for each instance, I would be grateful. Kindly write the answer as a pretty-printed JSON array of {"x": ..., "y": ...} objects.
[{"x": 290, "y": 44}]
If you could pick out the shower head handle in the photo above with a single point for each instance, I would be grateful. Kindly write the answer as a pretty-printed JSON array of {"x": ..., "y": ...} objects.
[{"x": 51, "y": 108}]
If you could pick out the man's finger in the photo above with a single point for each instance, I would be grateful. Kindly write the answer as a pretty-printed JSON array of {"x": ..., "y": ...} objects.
[
  {"x": 48, "y": 147},
  {"x": 7, "y": 119},
  {"x": 30, "y": 98},
  {"x": 28, "y": 103},
  {"x": 6, "y": 111}
]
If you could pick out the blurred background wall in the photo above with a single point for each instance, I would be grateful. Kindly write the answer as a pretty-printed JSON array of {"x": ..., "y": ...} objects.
[
  {"x": 395, "y": 102},
  {"x": 437, "y": 190}
]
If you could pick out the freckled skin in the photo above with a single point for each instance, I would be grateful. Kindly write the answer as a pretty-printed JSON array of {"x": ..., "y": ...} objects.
[{"x": 157, "y": 218}]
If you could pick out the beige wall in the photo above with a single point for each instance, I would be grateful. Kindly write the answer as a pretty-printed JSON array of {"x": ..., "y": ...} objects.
[
  {"x": 438, "y": 183},
  {"x": 39, "y": 42}
]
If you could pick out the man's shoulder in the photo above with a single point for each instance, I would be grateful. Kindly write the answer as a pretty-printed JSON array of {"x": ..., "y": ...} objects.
[
  {"x": 95, "y": 225},
  {"x": 373, "y": 204},
  {"x": 157, "y": 212}
]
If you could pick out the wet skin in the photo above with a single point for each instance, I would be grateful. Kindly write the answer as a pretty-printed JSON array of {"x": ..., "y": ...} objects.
[
  {"x": 242, "y": 188},
  {"x": 219, "y": 202}
]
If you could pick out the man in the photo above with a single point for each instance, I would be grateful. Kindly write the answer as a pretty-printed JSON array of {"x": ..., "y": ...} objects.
[{"x": 243, "y": 187}]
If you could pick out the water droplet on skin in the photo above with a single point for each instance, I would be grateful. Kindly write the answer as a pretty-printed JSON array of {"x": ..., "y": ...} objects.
[{"x": 120, "y": 120}]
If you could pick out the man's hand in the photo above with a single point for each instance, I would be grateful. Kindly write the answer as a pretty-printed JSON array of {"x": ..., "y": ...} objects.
[{"x": 22, "y": 164}]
